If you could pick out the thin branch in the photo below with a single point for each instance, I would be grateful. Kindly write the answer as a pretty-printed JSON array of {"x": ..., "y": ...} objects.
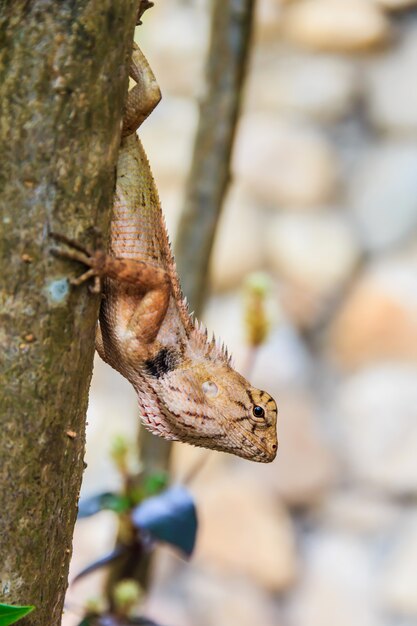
[{"x": 231, "y": 28}]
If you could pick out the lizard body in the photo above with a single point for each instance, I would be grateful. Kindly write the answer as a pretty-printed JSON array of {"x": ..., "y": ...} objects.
[{"x": 186, "y": 387}]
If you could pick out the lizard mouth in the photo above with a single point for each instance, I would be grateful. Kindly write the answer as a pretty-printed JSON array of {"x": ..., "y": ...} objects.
[
  {"x": 262, "y": 450},
  {"x": 266, "y": 455},
  {"x": 254, "y": 450}
]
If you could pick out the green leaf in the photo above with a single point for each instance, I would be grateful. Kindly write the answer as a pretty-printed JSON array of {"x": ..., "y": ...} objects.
[
  {"x": 11, "y": 614},
  {"x": 119, "y": 453},
  {"x": 100, "y": 502},
  {"x": 136, "y": 494},
  {"x": 155, "y": 483},
  {"x": 116, "y": 503}
]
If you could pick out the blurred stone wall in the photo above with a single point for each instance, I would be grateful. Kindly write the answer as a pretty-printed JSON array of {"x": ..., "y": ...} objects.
[{"x": 324, "y": 199}]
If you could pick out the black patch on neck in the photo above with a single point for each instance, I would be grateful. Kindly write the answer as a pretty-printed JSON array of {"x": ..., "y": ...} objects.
[{"x": 164, "y": 361}]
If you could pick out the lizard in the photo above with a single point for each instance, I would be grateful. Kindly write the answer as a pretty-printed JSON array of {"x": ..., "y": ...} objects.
[{"x": 186, "y": 386}]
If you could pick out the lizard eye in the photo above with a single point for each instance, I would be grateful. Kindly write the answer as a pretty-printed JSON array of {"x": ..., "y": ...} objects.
[
  {"x": 210, "y": 389},
  {"x": 259, "y": 419},
  {"x": 258, "y": 412}
]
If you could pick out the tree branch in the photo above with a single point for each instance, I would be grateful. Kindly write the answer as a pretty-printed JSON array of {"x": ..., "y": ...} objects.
[{"x": 231, "y": 27}]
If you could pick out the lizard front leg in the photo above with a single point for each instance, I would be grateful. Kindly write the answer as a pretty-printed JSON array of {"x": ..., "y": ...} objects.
[
  {"x": 151, "y": 284},
  {"x": 78, "y": 252}
]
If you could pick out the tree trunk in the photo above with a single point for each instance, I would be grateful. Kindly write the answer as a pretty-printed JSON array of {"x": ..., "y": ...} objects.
[{"x": 63, "y": 79}]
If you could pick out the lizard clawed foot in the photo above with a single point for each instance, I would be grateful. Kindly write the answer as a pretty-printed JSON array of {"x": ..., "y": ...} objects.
[
  {"x": 91, "y": 273},
  {"x": 71, "y": 243},
  {"x": 81, "y": 254}
]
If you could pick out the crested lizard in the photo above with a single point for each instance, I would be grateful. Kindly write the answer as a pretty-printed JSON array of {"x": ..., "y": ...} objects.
[{"x": 186, "y": 386}]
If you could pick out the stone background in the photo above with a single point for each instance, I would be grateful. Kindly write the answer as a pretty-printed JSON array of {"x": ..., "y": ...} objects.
[{"x": 324, "y": 199}]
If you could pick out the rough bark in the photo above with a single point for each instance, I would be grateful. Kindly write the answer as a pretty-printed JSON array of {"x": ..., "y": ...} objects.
[{"x": 63, "y": 80}]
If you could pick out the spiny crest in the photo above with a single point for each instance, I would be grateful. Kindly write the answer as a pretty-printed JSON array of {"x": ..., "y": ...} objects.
[
  {"x": 209, "y": 348},
  {"x": 172, "y": 271}
]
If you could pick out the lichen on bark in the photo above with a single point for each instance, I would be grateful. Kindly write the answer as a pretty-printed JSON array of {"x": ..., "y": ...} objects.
[{"x": 63, "y": 80}]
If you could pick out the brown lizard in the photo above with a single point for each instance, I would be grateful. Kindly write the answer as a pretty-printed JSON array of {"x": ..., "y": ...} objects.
[{"x": 186, "y": 386}]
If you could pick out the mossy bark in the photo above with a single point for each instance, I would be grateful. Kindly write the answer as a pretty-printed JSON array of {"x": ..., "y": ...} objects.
[{"x": 63, "y": 80}]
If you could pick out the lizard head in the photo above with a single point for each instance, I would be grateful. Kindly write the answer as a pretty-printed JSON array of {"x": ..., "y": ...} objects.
[{"x": 203, "y": 401}]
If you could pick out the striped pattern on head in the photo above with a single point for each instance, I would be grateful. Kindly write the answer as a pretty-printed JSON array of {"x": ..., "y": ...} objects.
[{"x": 198, "y": 398}]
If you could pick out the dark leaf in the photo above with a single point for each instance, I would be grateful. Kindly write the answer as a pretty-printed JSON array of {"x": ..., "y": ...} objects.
[
  {"x": 105, "y": 560},
  {"x": 170, "y": 517},
  {"x": 142, "y": 621},
  {"x": 113, "y": 620},
  {"x": 107, "y": 620},
  {"x": 110, "y": 501},
  {"x": 12, "y": 614},
  {"x": 101, "y": 620}
]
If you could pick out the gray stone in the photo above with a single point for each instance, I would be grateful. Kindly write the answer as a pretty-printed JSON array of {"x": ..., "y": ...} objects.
[
  {"x": 394, "y": 5},
  {"x": 236, "y": 252},
  {"x": 336, "y": 26},
  {"x": 320, "y": 86},
  {"x": 219, "y": 600},
  {"x": 384, "y": 195},
  {"x": 377, "y": 418},
  {"x": 288, "y": 164},
  {"x": 337, "y": 584},
  {"x": 190, "y": 595},
  {"x": 360, "y": 511},
  {"x": 316, "y": 252},
  {"x": 399, "y": 572},
  {"x": 378, "y": 317},
  {"x": 244, "y": 532},
  {"x": 392, "y": 89}
]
